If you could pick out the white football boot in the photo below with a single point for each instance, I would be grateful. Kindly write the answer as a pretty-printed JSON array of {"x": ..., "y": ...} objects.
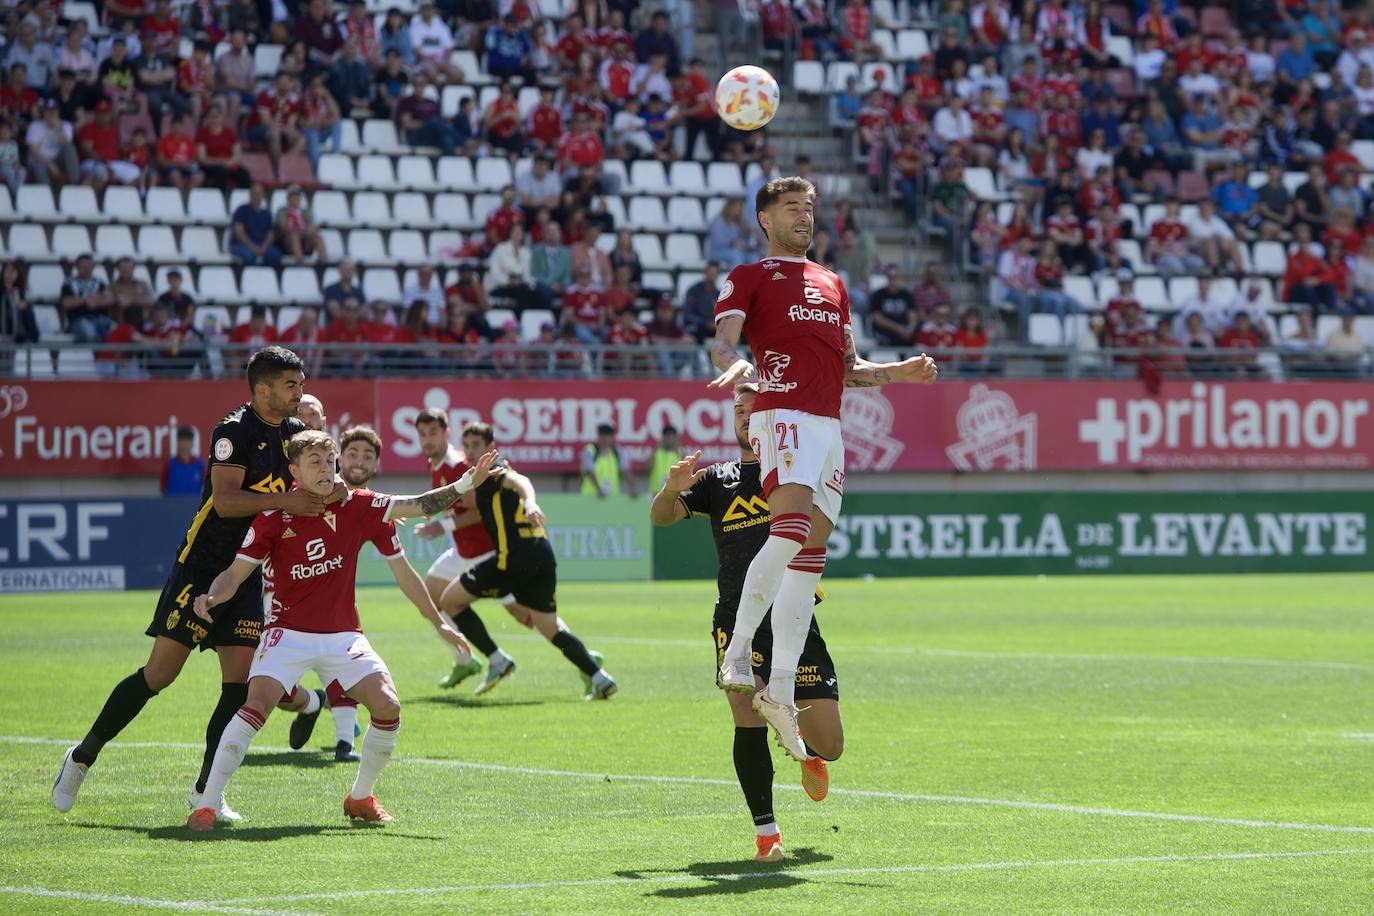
[
  {"x": 68, "y": 782},
  {"x": 784, "y": 722}
]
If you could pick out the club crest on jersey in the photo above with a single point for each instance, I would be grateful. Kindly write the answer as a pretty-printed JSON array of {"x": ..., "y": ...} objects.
[
  {"x": 787, "y": 460},
  {"x": 173, "y": 619},
  {"x": 771, "y": 368}
]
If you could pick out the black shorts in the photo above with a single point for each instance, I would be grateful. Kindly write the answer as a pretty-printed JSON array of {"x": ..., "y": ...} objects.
[
  {"x": 816, "y": 678},
  {"x": 237, "y": 622},
  {"x": 530, "y": 576}
]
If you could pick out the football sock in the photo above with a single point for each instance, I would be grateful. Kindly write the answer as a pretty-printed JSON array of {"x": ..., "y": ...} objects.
[
  {"x": 378, "y": 744},
  {"x": 792, "y": 622},
  {"x": 345, "y": 722},
  {"x": 125, "y": 703},
  {"x": 233, "y": 745},
  {"x": 312, "y": 703},
  {"x": 575, "y": 652},
  {"x": 787, "y": 535},
  {"x": 475, "y": 631},
  {"x": 231, "y": 698},
  {"x": 499, "y": 657},
  {"x": 754, "y": 767}
]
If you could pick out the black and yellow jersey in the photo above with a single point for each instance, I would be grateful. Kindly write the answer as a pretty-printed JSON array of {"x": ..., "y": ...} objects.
[
  {"x": 503, "y": 515},
  {"x": 241, "y": 440}
]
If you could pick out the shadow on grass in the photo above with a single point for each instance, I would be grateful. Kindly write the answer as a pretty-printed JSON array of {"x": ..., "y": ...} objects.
[
  {"x": 464, "y": 701},
  {"x": 259, "y": 834},
  {"x": 732, "y": 877},
  {"x": 304, "y": 759}
]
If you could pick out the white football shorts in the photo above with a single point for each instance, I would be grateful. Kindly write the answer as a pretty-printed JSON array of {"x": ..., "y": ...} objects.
[
  {"x": 284, "y": 655},
  {"x": 798, "y": 447}
]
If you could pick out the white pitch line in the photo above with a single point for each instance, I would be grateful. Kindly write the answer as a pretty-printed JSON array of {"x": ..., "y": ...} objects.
[
  {"x": 766, "y": 873},
  {"x": 196, "y": 906},
  {"x": 1056, "y": 807}
]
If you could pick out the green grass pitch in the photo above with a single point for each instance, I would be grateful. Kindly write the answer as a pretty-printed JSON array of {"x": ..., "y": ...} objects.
[{"x": 1171, "y": 744}]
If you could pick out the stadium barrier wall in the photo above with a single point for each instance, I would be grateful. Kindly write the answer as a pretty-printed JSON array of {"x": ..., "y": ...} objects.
[
  {"x": 88, "y": 544},
  {"x": 1059, "y": 533},
  {"x": 92, "y": 429}
]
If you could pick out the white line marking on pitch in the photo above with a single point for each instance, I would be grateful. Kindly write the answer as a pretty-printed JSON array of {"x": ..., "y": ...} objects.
[
  {"x": 806, "y": 873},
  {"x": 1017, "y": 656},
  {"x": 855, "y": 793},
  {"x": 198, "y": 906}
]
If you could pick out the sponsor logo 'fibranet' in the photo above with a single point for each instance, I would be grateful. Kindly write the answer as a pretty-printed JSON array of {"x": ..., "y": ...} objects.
[
  {"x": 311, "y": 570},
  {"x": 1144, "y": 430},
  {"x": 802, "y": 313}
]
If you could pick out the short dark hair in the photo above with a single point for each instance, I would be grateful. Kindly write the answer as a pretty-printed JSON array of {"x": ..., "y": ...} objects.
[
  {"x": 185, "y": 432},
  {"x": 432, "y": 415},
  {"x": 605, "y": 429},
  {"x": 270, "y": 362},
  {"x": 746, "y": 388},
  {"x": 361, "y": 433},
  {"x": 776, "y": 188},
  {"x": 668, "y": 429},
  {"x": 478, "y": 428},
  {"x": 306, "y": 441}
]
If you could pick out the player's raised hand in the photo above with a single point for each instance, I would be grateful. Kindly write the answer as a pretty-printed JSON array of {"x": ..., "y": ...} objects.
[
  {"x": 739, "y": 370},
  {"x": 534, "y": 513},
  {"x": 918, "y": 369},
  {"x": 683, "y": 474},
  {"x": 302, "y": 503},
  {"x": 202, "y": 606},
  {"x": 430, "y": 530},
  {"x": 477, "y": 475},
  {"x": 339, "y": 492}
]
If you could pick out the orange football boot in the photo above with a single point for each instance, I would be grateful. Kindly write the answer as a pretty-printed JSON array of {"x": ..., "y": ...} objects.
[
  {"x": 815, "y": 778},
  {"x": 201, "y": 819},
  {"x": 366, "y": 809},
  {"x": 770, "y": 848}
]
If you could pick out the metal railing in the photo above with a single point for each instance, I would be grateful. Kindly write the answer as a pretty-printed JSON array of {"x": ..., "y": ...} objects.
[{"x": 70, "y": 360}]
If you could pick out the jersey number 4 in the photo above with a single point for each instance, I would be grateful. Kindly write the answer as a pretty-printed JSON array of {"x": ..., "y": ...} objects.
[{"x": 782, "y": 429}]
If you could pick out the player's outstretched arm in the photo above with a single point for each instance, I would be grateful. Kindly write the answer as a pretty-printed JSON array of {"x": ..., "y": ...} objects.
[
  {"x": 522, "y": 485},
  {"x": 441, "y": 498},
  {"x": 225, "y": 586},
  {"x": 413, "y": 588},
  {"x": 232, "y": 501},
  {"x": 667, "y": 509},
  {"x": 725, "y": 353},
  {"x": 860, "y": 373}
]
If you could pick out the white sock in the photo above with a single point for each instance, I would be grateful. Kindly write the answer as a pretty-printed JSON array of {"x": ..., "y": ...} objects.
[
  {"x": 345, "y": 723},
  {"x": 498, "y": 658},
  {"x": 761, "y": 585},
  {"x": 378, "y": 744},
  {"x": 792, "y": 621},
  {"x": 767, "y": 829},
  {"x": 233, "y": 744},
  {"x": 312, "y": 702},
  {"x": 459, "y": 656}
]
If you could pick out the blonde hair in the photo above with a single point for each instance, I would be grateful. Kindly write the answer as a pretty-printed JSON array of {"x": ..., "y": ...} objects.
[{"x": 308, "y": 441}]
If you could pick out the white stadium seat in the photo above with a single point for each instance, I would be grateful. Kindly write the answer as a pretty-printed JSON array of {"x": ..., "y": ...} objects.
[
  {"x": 122, "y": 203},
  {"x": 808, "y": 77},
  {"x": 366, "y": 245},
  {"x": 455, "y": 210},
  {"x": 376, "y": 172},
  {"x": 300, "y": 284},
  {"x": 156, "y": 243},
  {"x": 455, "y": 174},
  {"x": 685, "y": 214},
  {"x": 493, "y": 173},
  {"x": 331, "y": 208},
  {"x": 71, "y": 241},
  {"x": 371, "y": 209},
  {"x": 688, "y": 178},
  {"x": 380, "y": 283},
  {"x": 35, "y": 201},
  {"x": 217, "y": 284},
  {"x": 724, "y": 178},
  {"x": 444, "y": 245},
  {"x": 411, "y": 208},
  {"x": 647, "y": 176},
  {"x": 646, "y": 214},
  {"x": 202, "y": 244},
  {"x": 259, "y": 285},
  {"x": 206, "y": 205},
  {"x": 30, "y": 240},
  {"x": 78, "y": 202},
  {"x": 407, "y": 246},
  {"x": 336, "y": 170},
  {"x": 684, "y": 250},
  {"x": 416, "y": 173}
]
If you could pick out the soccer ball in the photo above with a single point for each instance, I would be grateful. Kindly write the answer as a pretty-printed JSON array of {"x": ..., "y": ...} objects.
[{"x": 747, "y": 97}]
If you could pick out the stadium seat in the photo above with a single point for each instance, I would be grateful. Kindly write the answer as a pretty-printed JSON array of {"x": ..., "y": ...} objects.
[
  {"x": 30, "y": 241},
  {"x": 1046, "y": 331},
  {"x": 886, "y": 40},
  {"x": 1269, "y": 258},
  {"x": 615, "y": 208},
  {"x": 912, "y": 44},
  {"x": 411, "y": 208},
  {"x": 878, "y": 74},
  {"x": 6, "y": 203},
  {"x": 1364, "y": 151},
  {"x": 379, "y": 136},
  {"x": 300, "y": 284},
  {"x": 36, "y": 202},
  {"x": 296, "y": 169},
  {"x": 71, "y": 241},
  {"x": 1081, "y": 289},
  {"x": 1120, "y": 47},
  {"x": 188, "y": 279},
  {"x": 686, "y": 279},
  {"x": 407, "y": 246},
  {"x": 647, "y": 176},
  {"x": 416, "y": 173},
  {"x": 455, "y": 173},
  {"x": 646, "y": 214},
  {"x": 1214, "y": 21},
  {"x": 472, "y": 70},
  {"x": 154, "y": 243},
  {"x": 33, "y": 362},
  {"x": 288, "y": 316},
  {"x": 45, "y": 282},
  {"x": 217, "y": 284},
  {"x": 49, "y": 321},
  {"x": 452, "y": 96},
  {"x": 336, "y": 171},
  {"x": 122, "y": 203},
  {"x": 331, "y": 208},
  {"x": 1151, "y": 293},
  {"x": 482, "y": 205},
  {"x": 212, "y": 320},
  {"x": 1223, "y": 289},
  {"x": 376, "y": 172},
  {"x": 493, "y": 173},
  {"x": 724, "y": 178},
  {"x": 455, "y": 210},
  {"x": 202, "y": 245},
  {"x": 267, "y": 60},
  {"x": 497, "y": 318},
  {"x": 77, "y": 202},
  {"x": 366, "y": 245},
  {"x": 350, "y": 138},
  {"x": 76, "y": 363},
  {"x": 685, "y": 213},
  {"x": 164, "y": 205},
  {"x": 615, "y": 172},
  {"x": 259, "y": 285},
  {"x": 1107, "y": 290},
  {"x": 840, "y": 71},
  {"x": 444, "y": 245},
  {"x": 808, "y": 77},
  {"x": 371, "y": 209},
  {"x": 206, "y": 206},
  {"x": 531, "y": 320},
  {"x": 1182, "y": 290},
  {"x": 381, "y": 283},
  {"x": 650, "y": 252},
  {"x": 1130, "y": 252},
  {"x": 980, "y": 183},
  {"x": 688, "y": 178},
  {"x": 114, "y": 242},
  {"x": 683, "y": 250}
]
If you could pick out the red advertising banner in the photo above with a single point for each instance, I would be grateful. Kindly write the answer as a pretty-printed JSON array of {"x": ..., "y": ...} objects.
[
  {"x": 90, "y": 429},
  {"x": 93, "y": 429}
]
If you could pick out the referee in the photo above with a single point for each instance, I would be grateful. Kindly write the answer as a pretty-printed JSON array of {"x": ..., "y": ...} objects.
[
  {"x": 248, "y": 474},
  {"x": 731, "y": 495}
]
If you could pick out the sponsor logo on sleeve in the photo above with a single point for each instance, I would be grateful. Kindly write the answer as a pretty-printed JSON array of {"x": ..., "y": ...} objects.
[
  {"x": 726, "y": 290},
  {"x": 223, "y": 449}
]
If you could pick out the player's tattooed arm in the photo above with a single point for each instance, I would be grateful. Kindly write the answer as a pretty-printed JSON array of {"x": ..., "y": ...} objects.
[
  {"x": 667, "y": 509},
  {"x": 225, "y": 586},
  {"x": 860, "y": 373},
  {"x": 725, "y": 353},
  {"x": 440, "y": 498}
]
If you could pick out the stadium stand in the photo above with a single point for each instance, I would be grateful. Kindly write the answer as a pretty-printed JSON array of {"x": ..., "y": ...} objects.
[{"x": 1188, "y": 144}]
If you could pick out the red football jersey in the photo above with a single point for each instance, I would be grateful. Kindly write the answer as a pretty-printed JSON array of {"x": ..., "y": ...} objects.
[
  {"x": 472, "y": 541},
  {"x": 315, "y": 560},
  {"x": 795, "y": 315}
]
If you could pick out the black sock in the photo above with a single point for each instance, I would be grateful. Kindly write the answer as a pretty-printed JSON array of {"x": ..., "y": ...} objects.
[
  {"x": 475, "y": 631},
  {"x": 575, "y": 652},
  {"x": 754, "y": 767},
  {"x": 231, "y": 700},
  {"x": 125, "y": 703}
]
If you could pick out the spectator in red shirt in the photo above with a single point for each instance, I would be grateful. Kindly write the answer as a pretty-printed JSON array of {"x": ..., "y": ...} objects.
[
  {"x": 970, "y": 336},
  {"x": 583, "y": 307},
  {"x": 858, "y": 32},
  {"x": 1241, "y": 336},
  {"x": 320, "y": 35},
  {"x": 176, "y": 156},
  {"x": 580, "y": 148},
  {"x": 348, "y": 329},
  {"x": 1167, "y": 247},
  {"x": 256, "y": 333},
  {"x": 626, "y": 331},
  {"x": 616, "y": 75},
  {"x": 938, "y": 333},
  {"x": 320, "y": 118},
  {"x": 196, "y": 77},
  {"x": 501, "y": 121},
  {"x": 219, "y": 153},
  {"x": 161, "y": 31},
  {"x": 99, "y": 143},
  {"x": 544, "y": 126},
  {"x": 17, "y": 100},
  {"x": 501, "y": 219},
  {"x": 276, "y": 118},
  {"x": 1306, "y": 278},
  {"x": 468, "y": 291},
  {"x": 1340, "y": 157}
]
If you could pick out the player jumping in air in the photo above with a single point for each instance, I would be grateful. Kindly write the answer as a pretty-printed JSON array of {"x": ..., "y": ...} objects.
[
  {"x": 523, "y": 564},
  {"x": 730, "y": 494},
  {"x": 470, "y": 546},
  {"x": 307, "y": 704},
  {"x": 248, "y": 475},
  {"x": 795, "y": 314},
  {"x": 314, "y": 622}
]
